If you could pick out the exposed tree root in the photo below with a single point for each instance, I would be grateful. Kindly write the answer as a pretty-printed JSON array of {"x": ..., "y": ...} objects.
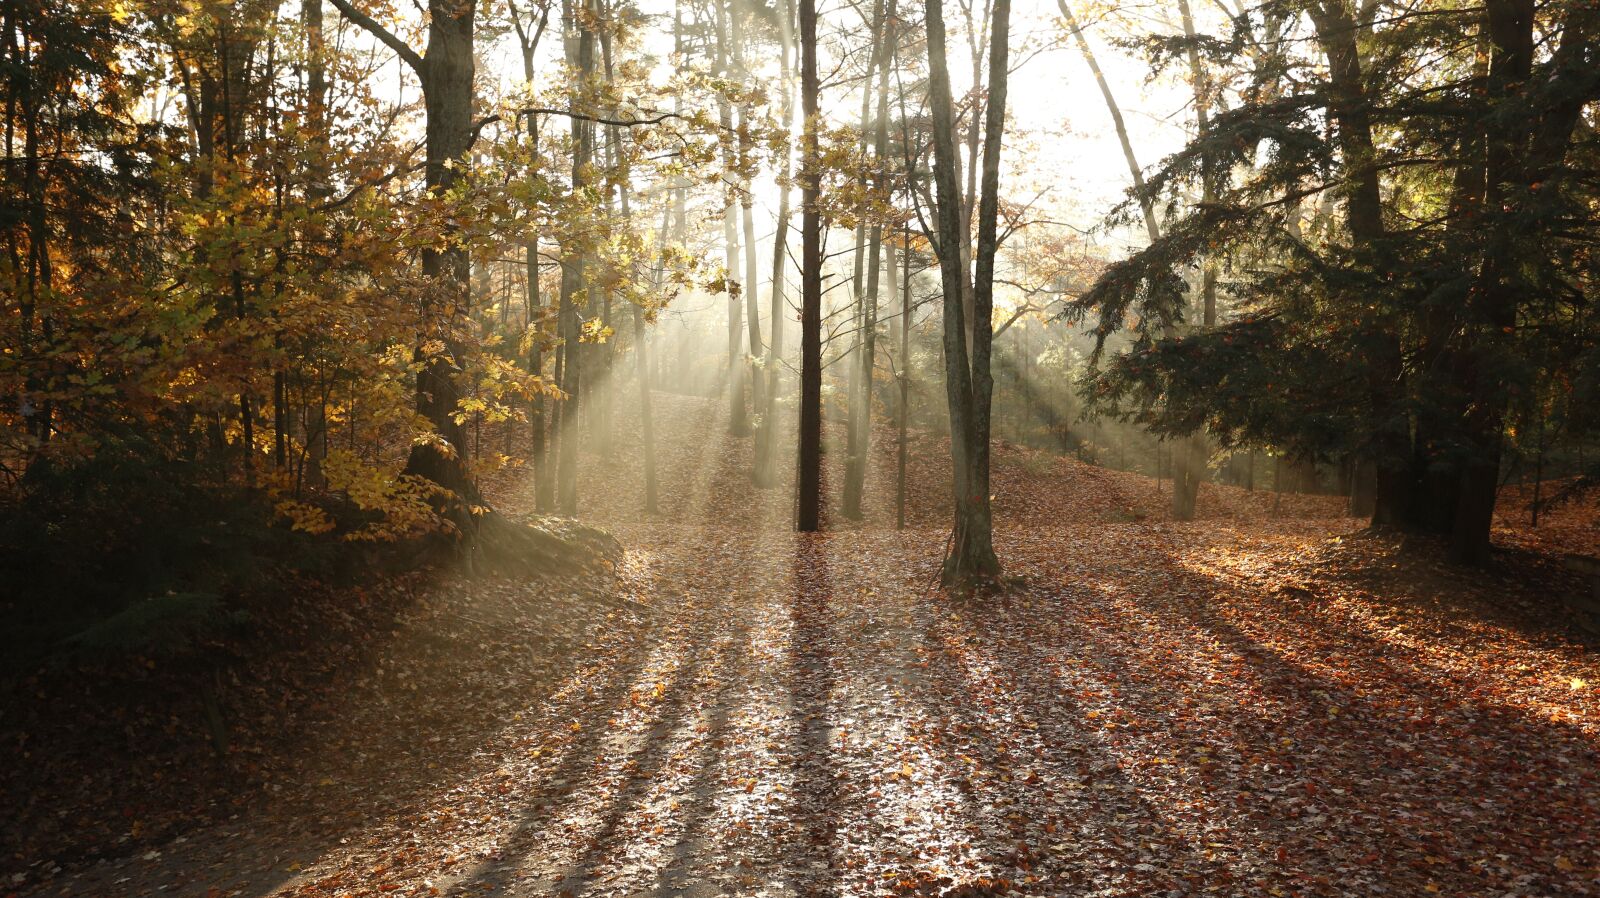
[
  {"x": 495, "y": 544},
  {"x": 487, "y": 542}
]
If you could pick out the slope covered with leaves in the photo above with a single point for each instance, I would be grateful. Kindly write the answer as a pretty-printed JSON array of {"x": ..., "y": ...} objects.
[{"x": 1243, "y": 705}]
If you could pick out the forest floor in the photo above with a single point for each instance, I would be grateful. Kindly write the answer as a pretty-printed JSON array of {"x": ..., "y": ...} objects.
[{"x": 1261, "y": 702}]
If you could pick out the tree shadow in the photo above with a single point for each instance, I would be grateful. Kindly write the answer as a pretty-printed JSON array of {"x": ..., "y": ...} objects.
[
  {"x": 1024, "y": 765},
  {"x": 1364, "y": 766},
  {"x": 351, "y": 777},
  {"x": 811, "y": 657},
  {"x": 643, "y": 763},
  {"x": 1496, "y": 773}
]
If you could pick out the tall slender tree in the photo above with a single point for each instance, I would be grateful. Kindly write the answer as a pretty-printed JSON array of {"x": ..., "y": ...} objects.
[
  {"x": 727, "y": 34},
  {"x": 574, "y": 287},
  {"x": 968, "y": 382},
  {"x": 809, "y": 513},
  {"x": 529, "y": 35},
  {"x": 766, "y": 471},
  {"x": 868, "y": 258}
]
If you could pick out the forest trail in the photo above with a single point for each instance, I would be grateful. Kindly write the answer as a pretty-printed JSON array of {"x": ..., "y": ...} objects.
[{"x": 1155, "y": 709}]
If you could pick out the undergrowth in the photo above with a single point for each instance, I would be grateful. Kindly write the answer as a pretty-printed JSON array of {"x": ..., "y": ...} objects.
[{"x": 132, "y": 553}]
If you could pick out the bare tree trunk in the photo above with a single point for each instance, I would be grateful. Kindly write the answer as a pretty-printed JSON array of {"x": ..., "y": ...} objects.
[
  {"x": 738, "y": 415},
  {"x": 543, "y": 474},
  {"x": 968, "y": 381},
  {"x": 641, "y": 339},
  {"x": 311, "y": 20},
  {"x": 808, "y": 518},
  {"x": 976, "y": 41},
  {"x": 647, "y": 424},
  {"x": 1135, "y": 173},
  {"x": 752, "y": 297},
  {"x": 1337, "y": 34},
  {"x": 904, "y": 409},
  {"x": 448, "y": 98},
  {"x": 1519, "y": 166},
  {"x": 866, "y": 257},
  {"x": 747, "y": 221},
  {"x": 767, "y": 436},
  {"x": 1152, "y": 229},
  {"x": 606, "y": 383},
  {"x": 572, "y": 273},
  {"x": 680, "y": 195},
  {"x": 544, "y": 481},
  {"x": 1190, "y": 457}
]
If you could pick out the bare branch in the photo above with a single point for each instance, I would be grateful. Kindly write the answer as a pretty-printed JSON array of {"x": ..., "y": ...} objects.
[{"x": 371, "y": 26}]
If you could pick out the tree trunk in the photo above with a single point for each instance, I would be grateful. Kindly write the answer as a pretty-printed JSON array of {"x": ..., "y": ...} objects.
[
  {"x": 543, "y": 475},
  {"x": 1363, "y": 487},
  {"x": 1146, "y": 206},
  {"x": 904, "y": 405},
  {"x": 317, "y": 191},
  {"x": 859, "y": 436},
  {"x": 738, "y": 414},
  {"x": 616, "y": 183},
  {"x": 969, "y": 204},
  {"x": 544, "y": 483},
  {"x": 1349, "y": 107},
  {"x": 808, "y": 518},
  {"x": 752, "y": 298},
  {"x": 447, "y": 97},
  {"x": 446, "y": 72},
  {"x": 766, "y": 473},
  {"x": 647, "y": 424},
  {"x": 968, "y": 380},
  {"x": 1189, "y": 469},
  {"x": 1188, "y": 459},
  {"x": 572, "y": 273},
  {"x": 1520, "y": 167}
]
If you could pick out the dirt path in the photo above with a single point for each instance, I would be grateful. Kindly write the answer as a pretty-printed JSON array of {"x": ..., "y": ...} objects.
[{"x": 1157, "y": 710}]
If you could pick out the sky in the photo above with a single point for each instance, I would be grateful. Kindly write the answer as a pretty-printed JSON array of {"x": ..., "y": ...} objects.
[
  {"x": 1060, "y": 137},
  {"x": 1061, "y": 152},
  {"x": 1062, "y": 133}
]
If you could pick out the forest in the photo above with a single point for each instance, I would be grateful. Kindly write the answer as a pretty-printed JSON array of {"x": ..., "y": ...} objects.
[{"x": 789, "y": 448}]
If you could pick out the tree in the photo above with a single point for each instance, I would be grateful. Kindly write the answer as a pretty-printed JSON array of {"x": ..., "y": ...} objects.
[
  {"x": 808, "y": 516},
  {"x": 738, "y": 413},
  {"x": 765, "y": 473},
  {"x": 1188, "y": 464},
  {"x": 445, "y": 71},
  {"x": 874, "y": 177},
  {"x": 968, "y": 382},
  {"x": 580, "y": 50},
  {"x": 528, "y": 37},
  {"x": 1366, "y": 333},
  {"x": 1527, "y": 142}
]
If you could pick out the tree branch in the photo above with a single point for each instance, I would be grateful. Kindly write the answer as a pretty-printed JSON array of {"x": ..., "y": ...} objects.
[
  {"x": 371, "y": 26},
  {"x": 1024, "y": 309}
]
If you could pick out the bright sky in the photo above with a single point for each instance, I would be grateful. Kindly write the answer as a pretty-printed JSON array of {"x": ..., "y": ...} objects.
[
  {"x": 1061, "y": 145},
  {"x": 1061, "y": 134}
]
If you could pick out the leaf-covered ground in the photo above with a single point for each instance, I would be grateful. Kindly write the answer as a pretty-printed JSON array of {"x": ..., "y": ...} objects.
[{"x": 1251, "y": 704}]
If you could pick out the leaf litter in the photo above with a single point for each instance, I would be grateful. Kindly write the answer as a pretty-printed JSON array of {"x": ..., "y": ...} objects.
[{"x": 1250, "y": 704}]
